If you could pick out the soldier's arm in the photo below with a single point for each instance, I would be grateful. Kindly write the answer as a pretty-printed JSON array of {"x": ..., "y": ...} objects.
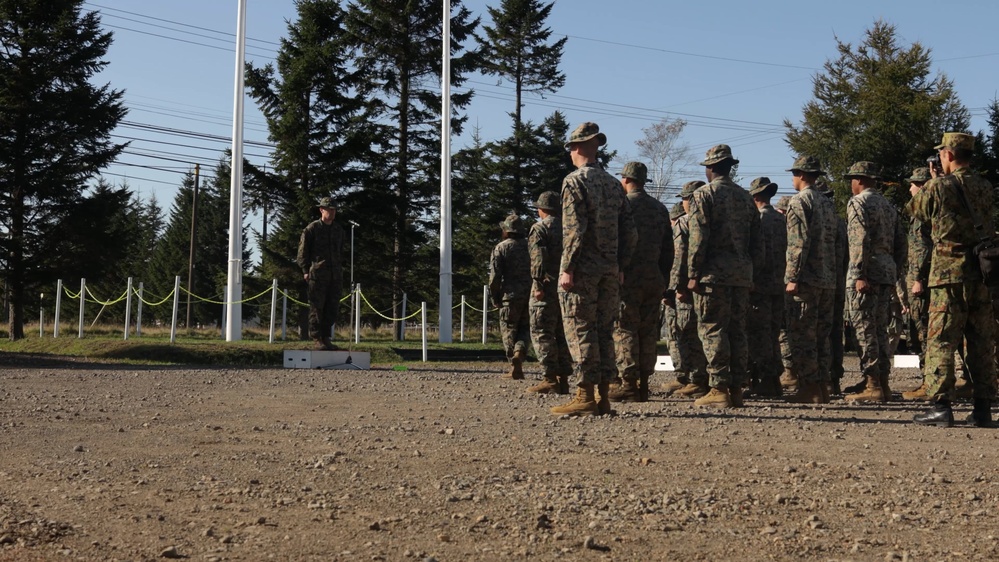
[
  {"x": 666, "y": 251},
  {"x": 757, "y": 246},
  {"x": 901, "y": 247},
  {"x": 798, "y": 241},
  {"x": 921, "y": 205},
  {"x": 573, "y": 223},
  {"x": 627, "y": 235},
  {"x": 678, "y": 273},
  {"x": 860, "y": 239},
  {"x": 305, "y": 251},
  {"x": 700, "y": 231},
  {"x": 495, "y": 276},
  {"x": 538, "y": 249},
  {"x": 920, "y": 245}
]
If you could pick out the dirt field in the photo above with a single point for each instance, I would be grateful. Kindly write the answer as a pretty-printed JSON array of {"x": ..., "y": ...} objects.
[{"x": 449, "y": 463}]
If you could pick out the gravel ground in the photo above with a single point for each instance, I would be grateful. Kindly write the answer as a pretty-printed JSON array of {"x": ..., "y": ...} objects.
[{"x": 449, "y": 463}]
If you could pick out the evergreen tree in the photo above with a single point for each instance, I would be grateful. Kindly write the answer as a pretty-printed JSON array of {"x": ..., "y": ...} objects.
[
  {"x": 877, "y": 102},
  {"x": 398, "y": 43},
  {"x": 55, "y": 128}
]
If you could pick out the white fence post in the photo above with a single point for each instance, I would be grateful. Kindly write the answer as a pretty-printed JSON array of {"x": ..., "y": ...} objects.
[
  {"x": 423, "y": 324},
  {"x": 176, "y": 304},
  {"x": 41, "y": 315},
  {"x": 485, "y": 312},
  {"x": 461, "y": 333},
  {"x": 284, "y": 317},
  {"x": 138, "y": 312},
  {"x": 270, "y": 339},
  {"x": 55, "y": 327},
  {"x": 128, "y": 306},
  {"x": 357, "y": 313},
  {"x": 83, "y": 297}
]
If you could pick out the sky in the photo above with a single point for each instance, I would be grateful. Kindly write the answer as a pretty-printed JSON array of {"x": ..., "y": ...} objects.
[{"x": 734, "y": 70}]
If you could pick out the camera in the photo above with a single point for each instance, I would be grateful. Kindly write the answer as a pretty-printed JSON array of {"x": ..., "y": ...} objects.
[{"x": 934, "y": 162}]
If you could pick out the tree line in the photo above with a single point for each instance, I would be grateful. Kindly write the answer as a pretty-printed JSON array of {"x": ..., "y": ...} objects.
[{"x": 352, "y": 105}]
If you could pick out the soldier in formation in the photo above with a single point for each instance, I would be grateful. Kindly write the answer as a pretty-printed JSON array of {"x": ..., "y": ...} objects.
[
  {"x": 688, "y": 361},
  {"x": 509, "y": 290},
  {"x": 767, "y": 299},
  {"x": 545, "y": 246}
]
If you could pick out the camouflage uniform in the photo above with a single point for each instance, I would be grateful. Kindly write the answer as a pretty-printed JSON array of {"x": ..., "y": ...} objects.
[
  {"x": 319, "y": 256},
  {"x": 689, "y": 361},
  {"x": 637, "y": 329},
  {"x": 920, "y": 250},
  {"x": 767, "y": 299},
  {"x": 811, "y": 253},
  {"x": 725, "y": 245},
  {"x": 545, "y": 247},
  {"x": 960, "y": 305},
  {"x": 785, "y": 343},
  {"x": 669, "y": 309},
  {"x": 875, "y": 238},
  {"x": 839, "y": 301},
  {"x": 510, "y": 287},
  {"x": 598, "y": 238}
]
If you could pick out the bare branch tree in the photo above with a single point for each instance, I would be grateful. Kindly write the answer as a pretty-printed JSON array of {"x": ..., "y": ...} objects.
[{"x": 666, "y": 155}]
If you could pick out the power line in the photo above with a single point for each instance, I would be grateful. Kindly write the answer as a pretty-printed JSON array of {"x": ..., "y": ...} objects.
[{"x": 233, "y": 35}]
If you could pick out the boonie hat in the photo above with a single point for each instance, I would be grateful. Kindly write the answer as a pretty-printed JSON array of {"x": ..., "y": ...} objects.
[
  {"x": 327, "y": 202},
  {"x": 513, "y": 224},
  {"x": 636, "y": 171},
  {"x": 585, "y": 132},
  {"x": 807, "y": 164},
  {"x": 689, "y": 188},
  {"x": 863, "y": 169},
  {"x": 549, "y": 201},
  {"x": 920, "y": 175},
  {"x": 762, "y": 185},
  {"x": 717, "y": 154}
]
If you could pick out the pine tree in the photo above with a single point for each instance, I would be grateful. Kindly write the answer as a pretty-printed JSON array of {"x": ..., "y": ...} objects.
[
  {"x": 877, "y": 102},
  {"x": 55, "y": 128},
  {"x": 399, "y": 44}
]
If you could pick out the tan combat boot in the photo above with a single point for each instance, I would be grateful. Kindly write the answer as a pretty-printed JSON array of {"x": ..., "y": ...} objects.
[
  {"x": 885, "y": 389},
  {"x": 627, "y": 392},
  {"x": 916, "y": 393},
  {"x": 548, "y": 385},
  {"x": 583, "y": 404},
  {"x": 675, "y": 385},
  {"x": 603, "y": 402},
  {"x": 809, "y": 393},
  {"x": 693, "y": 390},
  {"x": 717, "y": 397},
  {"x": 871, "y": 392}
]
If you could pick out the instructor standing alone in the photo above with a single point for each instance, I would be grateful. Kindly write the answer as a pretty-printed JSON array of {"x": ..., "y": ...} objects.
[{"x": 319, "y": 253}]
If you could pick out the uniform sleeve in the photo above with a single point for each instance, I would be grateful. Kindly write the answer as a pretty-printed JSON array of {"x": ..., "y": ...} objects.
[
  {"x": 900, "y": 247},
  {"x": 305, "y": 251},
  {"x": 538, "y": 250},
  {"x": 857, "y": 222},
  {"x": 573, "y": 222},
  {"x": 920, "y": 245},
  {"x": 627, "y": 235},
  {"x": 798, "y": 240},
  {"x": 678, "y": 273},
  {"x": 666, "y": 251},
  {"x": 757, "y": 247},
  {"x": 699, "y": 222},
  {"x": 495, "y": 276}
]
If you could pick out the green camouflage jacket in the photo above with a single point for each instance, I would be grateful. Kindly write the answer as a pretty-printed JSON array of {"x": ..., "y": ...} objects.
[
  {"x": 877, "y": 243},
  {"x": 726, "y": 247},
  {"x": 598, "y": 233},
  {"x": 510, "y": 271},
  {"x": 811, "y": 240},
  {"x": 320, "y": 249},
  {"x": 653, "y": 257},
  {"x": 545, "y": 246}
]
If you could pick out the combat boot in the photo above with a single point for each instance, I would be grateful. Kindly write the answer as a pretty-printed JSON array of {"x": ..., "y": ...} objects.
[
  {"x": 981, "y": 415},
  {"x": 603, "y": 400},
  {"x": 855, "y": 388},
  {"x": 885, "y": 389},
  {"x": 939, "y": 415},
  {"x": 769, "y": 387},
  {"x": 916, "y": 393},
  {"x": 516, "y": 372},
  {"x": 788, "y": 379},
  {"x": 548, "y": 385},
  {"x": 809, "y": 393},
  {"x": 563, "y": 384},
  {"x": 717, "y": 397},
  {"x": 643, "y": 388},
  {"x": 736, "y": 395},
  {"x": 693, "y": 390},
  {"x": 583, "y": 404},
  {"x": 627, "y": 392},
  {"x": 675, "y": 385},
  {"x": 871, "y": 393}
]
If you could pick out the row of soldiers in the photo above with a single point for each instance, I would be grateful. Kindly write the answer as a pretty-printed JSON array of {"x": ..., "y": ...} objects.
[{"x": 737, "y": 274}]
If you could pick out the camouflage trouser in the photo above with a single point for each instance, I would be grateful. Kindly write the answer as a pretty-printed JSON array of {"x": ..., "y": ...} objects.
[
  {"x": 870, "y": 314},
  {"x": 324, "y": 306},
  {"x": 515, "y": 326},
  {"x": 896, "y": 324},
  {"x": 669, "y": 325},
  {"x": 766, "y": 314},
  {"x": 809, "y": 323},
  {"x": 956, "y": 311},
  {"x": 589, "y": 311},
  {"x": 689, "y": 359},
  {"x": 785, "y": 342},
  {"x": 637, "y": 331},
  {"x": 919, "y": 313},
  {"x": 721, "y": 325},
  {"x": 836, "y": 336},
  {"x": 548, "y": 336}
]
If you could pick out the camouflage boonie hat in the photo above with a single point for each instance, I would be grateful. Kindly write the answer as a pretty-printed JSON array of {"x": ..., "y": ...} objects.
[
  {"x": 957, "y": 140},
  {"x": 689, "y": 188},
  {"x": 512, "y": 224},
  {"x": 863, "y": 169},
  {"x": 717, "y": 154},
  {"x": 636, "y": 171},
  {"x": 677, "y": 211},
  {"x": 807, "y": 164},
  {"x": 585, "y": 132},
  {"x": 549, "y": 201},
  {"x": 764, "y": 186},
  {"x": 920, "y": 175},
  {"x": 783, "y": 203},
  {"x": 327, "y": 202}
]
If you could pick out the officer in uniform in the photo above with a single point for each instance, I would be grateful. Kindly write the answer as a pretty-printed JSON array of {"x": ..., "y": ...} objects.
[
  {"x": 689, "y": 362},
  {"x": 545, "y": 246},
  {"x": 509, "y": 289},
  {"x": 319, "y": 251}
]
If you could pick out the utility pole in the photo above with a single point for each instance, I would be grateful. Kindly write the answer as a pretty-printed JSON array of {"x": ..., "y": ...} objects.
[{"x": 194, "y": 235}]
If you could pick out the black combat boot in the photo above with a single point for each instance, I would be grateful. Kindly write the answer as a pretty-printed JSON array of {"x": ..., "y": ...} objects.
[
  {"x": 981, "y": 415},
  {"x": 939, "y": 415}
]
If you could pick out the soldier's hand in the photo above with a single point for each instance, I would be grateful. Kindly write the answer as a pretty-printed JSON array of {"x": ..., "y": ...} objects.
[
  {"x": 791, "y": 289},
  {"x": 539, "y": 295},
  {"x": 917, "y": 288},
  {"x": 565, "y": 281},
  {"x": 695, "y": 286},
  {"x": 862, "y": 286},
  {"x": 306, "y": 276}
]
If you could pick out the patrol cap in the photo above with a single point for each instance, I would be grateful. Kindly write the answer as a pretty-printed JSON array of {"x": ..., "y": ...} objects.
[
  {"x": 807, "y": 164},
  {"x": 636, "y": 171},
  {"x": 549, "y": 201},
  {"x": 717, "y": 154},
  {"x": 762, "y": 185},
  {"x": 513, "y": 224},
  {"x": 327, "y": 202},
  {"x": 863, "y": 169},
  {"x": 783, "y": 203},
  {"x": 585, "y": 132},
  {"x": 957, "y": 141},
  {"x": 677, "y": 211},
  {"x": 689, "y": 188},
  {"x": 920, "y": 175}
]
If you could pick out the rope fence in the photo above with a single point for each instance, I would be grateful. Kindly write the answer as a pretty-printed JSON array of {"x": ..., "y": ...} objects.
[{"x": 355, "y": 298}]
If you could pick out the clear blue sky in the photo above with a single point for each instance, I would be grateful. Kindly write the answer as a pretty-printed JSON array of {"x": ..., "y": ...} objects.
[{"x": 734, "y": 70}]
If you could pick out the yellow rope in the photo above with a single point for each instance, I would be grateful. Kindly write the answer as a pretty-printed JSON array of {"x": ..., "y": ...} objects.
[
  {"x": 108, "y": 303},
  {"x": 144, "y": 301},
  {"x": 202, "y": 299},
  {"x": 388, "y": 317}
]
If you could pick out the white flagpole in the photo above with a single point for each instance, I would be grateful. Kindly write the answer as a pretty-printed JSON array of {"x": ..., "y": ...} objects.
[
  {"x": 234, "y": 288},
  {"x": 445, "y": 335}
]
